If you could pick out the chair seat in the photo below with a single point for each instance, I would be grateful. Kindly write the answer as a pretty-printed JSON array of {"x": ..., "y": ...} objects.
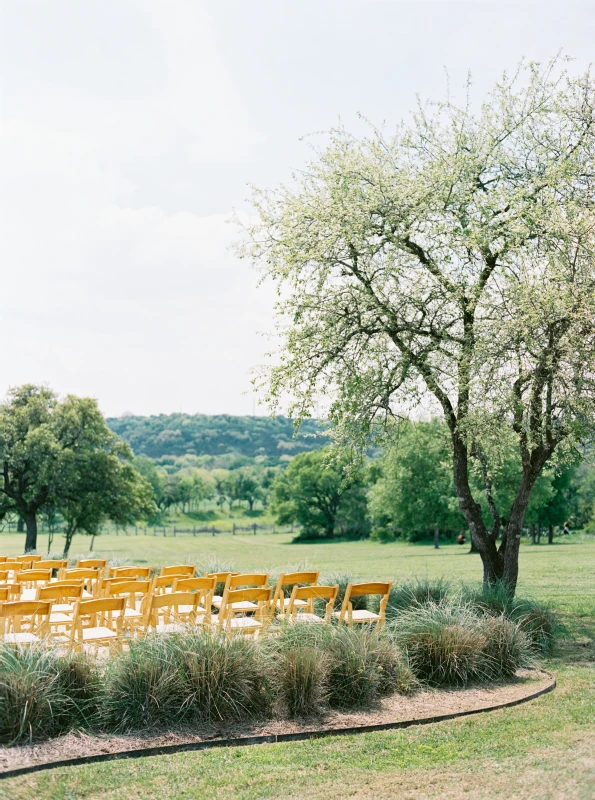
[
  {"x": 244, "y": 622},
  {"x": 304, "y": 616},
  {"x": 296, "y": 603},
  {"x": 62, "y": 608},
  {"x": 60, "y": 619},
  {"x": 129, "y": 613},
  {"x": 90, "y": 634},
  {"x": 28, "y": 594},
  {"x": 20, "y": 638},
  {"x": 361, "y": 615},
  {"x": 171, "y": 627}
]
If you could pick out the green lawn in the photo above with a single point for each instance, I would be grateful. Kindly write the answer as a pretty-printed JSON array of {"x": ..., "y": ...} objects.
[{"x": 540, "y": 750}]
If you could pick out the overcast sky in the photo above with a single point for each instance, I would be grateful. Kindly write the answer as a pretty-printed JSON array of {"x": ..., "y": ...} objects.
[{"x": 129, "y": 132}]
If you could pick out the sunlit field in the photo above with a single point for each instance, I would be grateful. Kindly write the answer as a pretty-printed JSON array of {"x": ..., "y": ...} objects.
[{"x": 561, "y": 574}]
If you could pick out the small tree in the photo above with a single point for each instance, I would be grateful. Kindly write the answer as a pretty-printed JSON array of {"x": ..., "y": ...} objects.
[
  {"x": 314, "y": 492},
  {"x": 452, "y": 263}
]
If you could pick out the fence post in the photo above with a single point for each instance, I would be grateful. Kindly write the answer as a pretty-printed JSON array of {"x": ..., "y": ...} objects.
[
  {"x": 164, "y": 531},
  {"x": 194, "y": 531},
  {"x": 255, "y": 526},
  {"x": 233, "y": 530},
  {"x": 174, "y": 530},
  {"x": 213, "y": 529}
]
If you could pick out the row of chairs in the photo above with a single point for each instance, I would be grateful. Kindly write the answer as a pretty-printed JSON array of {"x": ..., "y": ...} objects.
[{"x": 84, "y": 606}]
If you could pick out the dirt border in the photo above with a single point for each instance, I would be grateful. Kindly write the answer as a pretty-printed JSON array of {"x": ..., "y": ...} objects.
[{"x": 245, "y": 741}]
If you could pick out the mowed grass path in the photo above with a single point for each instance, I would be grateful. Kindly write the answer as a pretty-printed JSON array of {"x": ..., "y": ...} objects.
[{"x": 540, "y": 750}]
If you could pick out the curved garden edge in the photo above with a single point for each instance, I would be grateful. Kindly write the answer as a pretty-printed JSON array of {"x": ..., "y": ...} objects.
[{"x": 274, "y": 738}]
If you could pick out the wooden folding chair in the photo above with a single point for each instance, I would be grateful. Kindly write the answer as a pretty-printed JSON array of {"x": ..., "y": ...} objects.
[
  {"x": 30, "y": 579},
  {"x": 14, "y": 565},
  {"x": 28, "y": 558},
  {"x": 92, "y": 563},
  {"x": 53, "y": 564},
  {"x": 91, "y": 579},
  {"x": 3, "y": 575},
  {"x": 255, "y": 607},
  {"x": 220, "y": 578},
  {"x": 98, "y": 623},
  {"x": 136, "y": 594},
  {"x": 204, "y": 587},
  {"x": 24, "y": 621},
  {"x": 187, "y": 570},
  {"x": 347, "y": 613},
  {"x": 3, "y": 559},
  {"x": 242, "y": 581},
  {"x": 162, "y": 584},
  {"x": 300, "y": 607},
  {"x": 63, "y": 598},
  {"x": 285, "y": 585},
  {"x": 130, "y": 572},
  {"x": 173, "y": 612}
]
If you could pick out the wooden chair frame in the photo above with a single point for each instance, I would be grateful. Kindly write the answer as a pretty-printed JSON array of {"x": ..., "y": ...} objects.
[
  {"x": 187, "y": 570},
  {"x": 251, "y": 621},
  {"x": 300, "y": 607},
  {"x": 24, "y": 621},
  {"x": 99, "y": 613},
  {"x": 303, "y": 578},
  {"x": 347, "y": 614},
  {"x": 178, "y": 609}
]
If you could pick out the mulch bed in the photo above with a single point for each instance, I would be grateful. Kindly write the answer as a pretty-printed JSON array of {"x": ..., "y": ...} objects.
[{"x": 393, "y": 710}]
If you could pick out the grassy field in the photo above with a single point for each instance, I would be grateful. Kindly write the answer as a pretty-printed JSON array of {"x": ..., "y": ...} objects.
[{"x": 540, "y": 750}]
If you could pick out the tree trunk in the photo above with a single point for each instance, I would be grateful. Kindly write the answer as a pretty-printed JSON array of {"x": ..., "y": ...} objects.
[
  {"x": 20, "y": 525},
  {"x": 514, "y": 529},
  {"x": 68, "y": 537},
  {"x": 436, "y": 536},
  {"x": 31, "y": 537},
  {"x": 480, "y": 538},
  {"x": 550, "y": 534},
  {"x": 532, "y": 533}
]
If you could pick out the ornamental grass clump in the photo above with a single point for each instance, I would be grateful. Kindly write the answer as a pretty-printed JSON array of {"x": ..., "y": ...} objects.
[
  {"x": 357, "y": 661},
  {"x": 298, "y": 664},
  {"x": 536, "y": 620},
  {"x": 416, "y": 593},
  {"x": 451, "y": 644},
  {"x": 143, "y": 687},
  {"x": 43, "y": 694},
  {"x": 223, "y": 679}
]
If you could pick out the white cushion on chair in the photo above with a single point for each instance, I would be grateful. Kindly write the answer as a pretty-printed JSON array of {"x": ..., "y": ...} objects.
[{"x": 98, "y": 633}]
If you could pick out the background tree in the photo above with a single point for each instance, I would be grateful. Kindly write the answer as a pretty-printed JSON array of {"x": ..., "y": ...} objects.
[
  {"x": 454, "y": 263},
  {"x": 314, "y": 493},
  {"x": 415, "y": 495}
]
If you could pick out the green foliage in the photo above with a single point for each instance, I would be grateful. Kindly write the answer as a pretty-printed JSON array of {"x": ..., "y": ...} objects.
[
  {"x": 319, "y": 494},
  {"x": 450, "y": 644},
  {"x": 415, "y": 493},
  {"x": 419, "y": 592},
  {"x": 198, "y": 434},
  {"x": 536, "y": 620},
  {"x": 43, "y": 693}
]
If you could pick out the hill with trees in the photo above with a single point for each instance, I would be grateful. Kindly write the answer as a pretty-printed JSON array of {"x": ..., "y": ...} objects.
[{"x": 201, "y": 434}]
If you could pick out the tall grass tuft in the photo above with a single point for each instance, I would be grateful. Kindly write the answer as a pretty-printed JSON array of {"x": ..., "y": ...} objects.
[
  {"x": 224, "y": 679},
  {"x": 418, "y": 592},
  {"x": 451, "y": 644},
  {"x": 298, "y": 663},
  {"x": 44, "y": 694},
  {"x": 536, "y": 620},
  {"x": 143, "y": 686}
]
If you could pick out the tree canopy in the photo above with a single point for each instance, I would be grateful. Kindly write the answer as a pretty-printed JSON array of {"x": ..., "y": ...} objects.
[
  {"x": 313, "y": 491},
  {"x": 451, "y": 263},
  {"x": 60, "y": 454}
]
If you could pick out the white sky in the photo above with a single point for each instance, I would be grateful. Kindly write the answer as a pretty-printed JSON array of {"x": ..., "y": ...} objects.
[{"x": 129, "y": 130}]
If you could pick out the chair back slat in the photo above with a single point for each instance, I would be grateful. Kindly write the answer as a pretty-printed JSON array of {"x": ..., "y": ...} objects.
[{"x": 187, "y": 570}]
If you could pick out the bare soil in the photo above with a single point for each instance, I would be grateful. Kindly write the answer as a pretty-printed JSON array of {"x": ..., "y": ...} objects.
[{"x": 423, "y": 704}]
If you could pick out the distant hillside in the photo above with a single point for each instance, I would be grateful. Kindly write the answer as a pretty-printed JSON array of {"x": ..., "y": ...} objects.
[{"x": 199, "y": 434}]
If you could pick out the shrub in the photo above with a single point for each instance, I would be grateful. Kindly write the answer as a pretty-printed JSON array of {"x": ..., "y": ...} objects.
[
  {"x": 355, "y": 668},
  {"x": 143, "y": 686},
  {"x": 42, "y": 693},
  {"x": 416, "y": 593},
  {"x": 452, "y": 644},
  {"x": 395, "y": 674},
  {"x": 539, "y": 623},
  {"x": 223, "y": 678},
  {"x": 506, "y": 649}
]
